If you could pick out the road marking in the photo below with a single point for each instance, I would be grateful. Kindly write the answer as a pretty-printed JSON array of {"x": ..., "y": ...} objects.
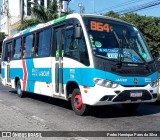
[{"x": 38, "y": 119}]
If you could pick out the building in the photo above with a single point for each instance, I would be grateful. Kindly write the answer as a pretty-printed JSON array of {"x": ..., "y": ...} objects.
[
  {"x": 12, "y": 12},
  {"x": 0, "y": 13}
]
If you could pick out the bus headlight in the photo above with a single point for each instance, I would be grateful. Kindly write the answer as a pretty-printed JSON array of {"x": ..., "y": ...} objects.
[
  {"x": 105, "y": 83},
  {"x": 154, "y": 84}
]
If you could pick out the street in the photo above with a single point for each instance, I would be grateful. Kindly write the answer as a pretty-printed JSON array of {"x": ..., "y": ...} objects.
[{"x": 40, "y": 113}]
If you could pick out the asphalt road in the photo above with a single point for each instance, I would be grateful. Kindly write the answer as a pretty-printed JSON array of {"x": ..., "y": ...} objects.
[{"x": 41, "y": 113}]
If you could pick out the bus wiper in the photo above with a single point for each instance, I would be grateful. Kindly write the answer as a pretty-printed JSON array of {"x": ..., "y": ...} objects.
[
  {"x": 119, "y": 41},
  {"x": 128, "y": 46}
]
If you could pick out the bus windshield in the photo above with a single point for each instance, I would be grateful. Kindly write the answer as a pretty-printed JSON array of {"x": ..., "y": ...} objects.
[{"x": 112, "y": 39}]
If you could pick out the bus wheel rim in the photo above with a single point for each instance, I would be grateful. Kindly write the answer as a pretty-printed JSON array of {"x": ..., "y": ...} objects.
[
  {"x": 78, "y": 102},
  {"x": 19, "y": 90}
]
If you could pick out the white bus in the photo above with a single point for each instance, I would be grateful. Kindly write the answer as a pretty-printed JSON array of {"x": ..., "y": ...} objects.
[{"x": 87, "y": 59}]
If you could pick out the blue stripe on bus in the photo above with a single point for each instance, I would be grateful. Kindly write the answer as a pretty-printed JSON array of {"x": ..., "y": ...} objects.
[
  {"x": 43, "y": 74},
  {"x": 16, "y": 72},
  {"x": 85, "y": 76},
  {"x": 34, "y": 74},
  {"x": 28, "y": 30},
  {"x": 38, "y": 74},
  {"x": 2, "y": 73}
]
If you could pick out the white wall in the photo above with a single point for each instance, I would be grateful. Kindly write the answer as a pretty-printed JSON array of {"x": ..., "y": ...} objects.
[{"x": 14, "y": 7}]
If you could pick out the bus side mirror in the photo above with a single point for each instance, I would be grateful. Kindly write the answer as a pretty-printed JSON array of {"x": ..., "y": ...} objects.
[{"x": 77, "y": 33}]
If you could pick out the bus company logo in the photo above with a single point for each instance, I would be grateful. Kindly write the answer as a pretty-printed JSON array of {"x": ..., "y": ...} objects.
[
  {"x": 121, "y": 80},
  {"x": 148, "y": 80},
  {"x": 135, "y": 80}
]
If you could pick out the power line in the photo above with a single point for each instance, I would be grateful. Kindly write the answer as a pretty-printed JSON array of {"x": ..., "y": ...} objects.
[
  {"x": 157, "y": 6},
  {"x": 149, "y": 8},
  {"x": 117, "y": 6},
  {"x": 139, "y": 7}
]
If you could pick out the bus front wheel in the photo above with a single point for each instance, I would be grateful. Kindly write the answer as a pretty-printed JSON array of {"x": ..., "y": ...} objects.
[
  {"x": 19, "y": 90},
  {"x": 77, "y": 103}
]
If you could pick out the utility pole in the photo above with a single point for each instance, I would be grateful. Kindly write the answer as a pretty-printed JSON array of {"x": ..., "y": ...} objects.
[
  {"x": 81, "y": 6},
  {"x": 62, "y": 6},
  {"x": 93, "y": 6},
  {"x": 59, "y": 2},
  {"x": 22, "y": 10}
]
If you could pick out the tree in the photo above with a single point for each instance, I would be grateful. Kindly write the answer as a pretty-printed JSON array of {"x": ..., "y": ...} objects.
[
  {"x": 41, "y": 15},
  {"x": 45, "y": 14},
  {"x": 2, "y": 37},
  {"x": 112, "y": 14},
  {"x": 148, "y": 26},
  {"x": 28, "y": 23}
]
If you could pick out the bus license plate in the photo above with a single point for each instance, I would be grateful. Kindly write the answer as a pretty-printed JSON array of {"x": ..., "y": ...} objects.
[{"x": 135, "y": 94}]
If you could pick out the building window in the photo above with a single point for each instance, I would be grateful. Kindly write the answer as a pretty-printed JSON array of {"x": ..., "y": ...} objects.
[
  {"x": 28, "y": 7},
  {"x": 36, "y": 1},
  {"x": 42, "y": 3},
  {"x": 48, "y": 2}
]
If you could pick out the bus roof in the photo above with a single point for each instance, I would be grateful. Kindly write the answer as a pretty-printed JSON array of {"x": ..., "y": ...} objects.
[
  {"x": 36, "y": 27},
  {"x": 42, "y": 25},
  {"x": 104, "y": 17}
]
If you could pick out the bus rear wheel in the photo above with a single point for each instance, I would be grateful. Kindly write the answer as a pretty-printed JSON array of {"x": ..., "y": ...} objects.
[
  {"x": 20, "y": 93},
  {"x": 77, "y": 103}
]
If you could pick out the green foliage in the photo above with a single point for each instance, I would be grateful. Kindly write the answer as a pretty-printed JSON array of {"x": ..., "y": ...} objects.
[
  {"x": 28, "y": 23},
  {"x": 149, "y": 27},
  {"x": 70, "y": 11},
  {"x": 45, "y": 14},
  {"x": 2, "y": 36},
  {"x": 112, "y": 14},
  {"x": 41, "y": 15}
]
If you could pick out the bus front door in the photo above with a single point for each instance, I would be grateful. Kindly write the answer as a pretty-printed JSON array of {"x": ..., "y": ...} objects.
[
  {"x": 59, "y": 43},
  {"x": 6, "y": 63}
]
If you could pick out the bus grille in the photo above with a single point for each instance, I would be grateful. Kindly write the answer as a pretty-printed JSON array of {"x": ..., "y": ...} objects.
[
  {"x": 125, "y": 95},
  {"x": 130, "y": 72}
]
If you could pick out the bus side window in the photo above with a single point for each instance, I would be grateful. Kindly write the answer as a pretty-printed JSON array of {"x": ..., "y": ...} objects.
[
  {"x": 36, "y": 45},
  {"x": 76, "y": 48},
  {"x": 7, "y": 54},
  {"x": 18, "y": 49},
  {"x": 43, "y": 43},
  {"x": 83, "y": 52},
  {"x": 28, "y": 45},
  {"x": 71, "y": 47}
]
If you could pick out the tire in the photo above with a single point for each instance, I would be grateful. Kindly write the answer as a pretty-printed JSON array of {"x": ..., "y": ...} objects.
[
  {"x": 130, "y": 107},
  {"x": 20, "y": 93},
  {"x": 77, "y": 104}
]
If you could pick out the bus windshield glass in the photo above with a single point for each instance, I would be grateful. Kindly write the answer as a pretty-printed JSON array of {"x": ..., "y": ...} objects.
[{"x": 112, "y": 39}]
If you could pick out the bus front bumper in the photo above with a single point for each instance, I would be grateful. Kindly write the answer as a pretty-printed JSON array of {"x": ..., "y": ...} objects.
[{"x": 99, "y": 95}]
